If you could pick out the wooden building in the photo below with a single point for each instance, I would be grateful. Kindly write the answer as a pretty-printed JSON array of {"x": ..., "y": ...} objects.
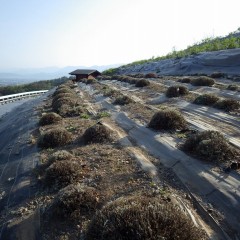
[{"x": 85, "y": 73}]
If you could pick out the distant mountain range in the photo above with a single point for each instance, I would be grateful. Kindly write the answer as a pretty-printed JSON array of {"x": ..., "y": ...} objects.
[{"x": 20, "y": 76}]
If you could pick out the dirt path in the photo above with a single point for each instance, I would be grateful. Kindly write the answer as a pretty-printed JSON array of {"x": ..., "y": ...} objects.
[
  {"x": 217, "y": 190},
  {"x": 17, "y": 159}
]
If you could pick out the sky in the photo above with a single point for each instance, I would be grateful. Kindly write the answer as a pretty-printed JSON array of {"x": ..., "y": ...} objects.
[{"x": 45, "y": 33}]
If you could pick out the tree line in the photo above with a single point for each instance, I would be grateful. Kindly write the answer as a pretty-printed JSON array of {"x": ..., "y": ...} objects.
[{"x": 34, "y": 86}]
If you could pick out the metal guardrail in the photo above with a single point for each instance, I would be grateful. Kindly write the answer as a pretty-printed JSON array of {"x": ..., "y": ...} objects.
[{"x": 18, "y": 96}]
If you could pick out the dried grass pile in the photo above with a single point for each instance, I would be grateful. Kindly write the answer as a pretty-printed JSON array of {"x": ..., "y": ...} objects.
[
  {"x": 141, "y": 218},
  {"x": 55, "y": 137},
  {"x": 168, "y": 120},
  {"x": 210, "y": 146},
  {"x": 122, "y": 100},
  {"x": 97, "y": 134},
  {"x": 63, "y": 173},
  {"x": 72, "y": 201},
  {"x": 142, "y": 83},
  {"x": 49, "y": 118},
  {"x": 176, "y": 91},
  {"x": 227, "y": 105},
  {"x": 206, "y": 99},
  {"x": 203, "y": 81}
]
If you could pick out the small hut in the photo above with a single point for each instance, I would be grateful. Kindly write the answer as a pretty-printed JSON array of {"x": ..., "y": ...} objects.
[{"x": 85, "y": 73}]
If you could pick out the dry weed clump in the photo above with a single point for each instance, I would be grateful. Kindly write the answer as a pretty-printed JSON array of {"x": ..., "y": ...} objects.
[
  {"x": 60, "y": 155},
  {"x": 49, "y": 118},
  {"x": 71, "y": 101},
  {"x": 227, "y": 105},
  {"x": 62, "y": 95},
  {"x": 63, "y": 90},
  {"x": 122, "y": 100},
  {"x": 55, "y": 138},
  {"x": 176, "y": 91},
  {"x": 151, "y": 75},
  {"x": 138, "y": 75},
  {"x": 71, "y": 111},
  {"x": 107, "y": 92},
  {"x": 206, "y": 99},
  {"x": 185, "y": 80},
  {"x": 141, "y": 218},
  {"x": 232, "y": 87},
  {"x": 203, "y": 81},
  {"x": 97, "y": 134},
  {"x": 210, "y": 145},
  {"x": 142, "y": 83},
  {"x": 88, "y": 81},
  {"x": 62, "y": 173},
  {"x": 71, "y": 201},
  {"x": 217, "y": 75},
  {"x": 167, "y": 120}
]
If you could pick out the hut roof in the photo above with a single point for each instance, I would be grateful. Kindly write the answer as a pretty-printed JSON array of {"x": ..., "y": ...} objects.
[{"x": 83, "y": 71}]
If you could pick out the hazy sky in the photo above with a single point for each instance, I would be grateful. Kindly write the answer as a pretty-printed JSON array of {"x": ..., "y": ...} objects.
[{"x": 40, "y": 33}]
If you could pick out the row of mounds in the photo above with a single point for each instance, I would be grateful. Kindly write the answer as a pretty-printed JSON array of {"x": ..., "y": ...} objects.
[
  {"x": 206, "y": 81},
  {"x": 66, "y": 102},
  {"x": 212, "y": 100},
  {"x": 64, "y": 168},
  {"x": 64, "y": 173},
  {"x": 98, "y": 192},
  {"x": 139, "y": 82},
  {"x": 198, "y": 81},
  {"x": 210, "y": 146}
]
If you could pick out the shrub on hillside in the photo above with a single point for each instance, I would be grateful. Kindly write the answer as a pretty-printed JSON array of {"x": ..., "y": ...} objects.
[
  {"x": 232, "y": 87},
  {"x": 142, "y": 83},
  {"x": 227, "y": 105},
  {"x": 209, "y": 145},
  {"x": 132, "y": 80},
  {"x": 55, "y": 138},
  {"x": 141, "y": 218},
  {"x": 71, "y": 101},
  {"x": 206, "y": 99},
  {"x": 70, "y": 111},
  {"x": 151, "y": 75},
  {"x": 184, "y": 80},
  {"x": 176, "y": 91},
  {"x": 97, "y": 134},
  {"x": 167, "y": 120},
  {"x": 110, "y": 92},
  {"x": 49, "y": 118},
  {"x": 60, "y": 155},
  {"x": 63, "y": 173},
  {"x": 63, "y": 95},
  {"x": 63, "y": 90},
  {"x": 217, "y": 75},
  {"x": 138, "y": 75},
  {"x": 71, "y": 199},
  {"x": 203, "y": 81},
  {"x": 122, "y": 100},
  {"x": 91, "y": 81}
]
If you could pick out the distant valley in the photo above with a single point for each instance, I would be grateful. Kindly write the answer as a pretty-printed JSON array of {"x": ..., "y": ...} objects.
[{"x": 22, "y": 76}]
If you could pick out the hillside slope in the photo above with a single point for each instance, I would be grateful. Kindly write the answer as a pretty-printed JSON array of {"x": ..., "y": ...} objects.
[{"x": 226, "y": 61}]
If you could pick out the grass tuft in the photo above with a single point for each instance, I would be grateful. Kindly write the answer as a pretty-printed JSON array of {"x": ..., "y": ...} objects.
[
  {"x": 141, "y": 218},
  {"x": 167, "y": 120},
  {"x": 210, "y": 146},
  {"x": 55, "y": 138}
]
